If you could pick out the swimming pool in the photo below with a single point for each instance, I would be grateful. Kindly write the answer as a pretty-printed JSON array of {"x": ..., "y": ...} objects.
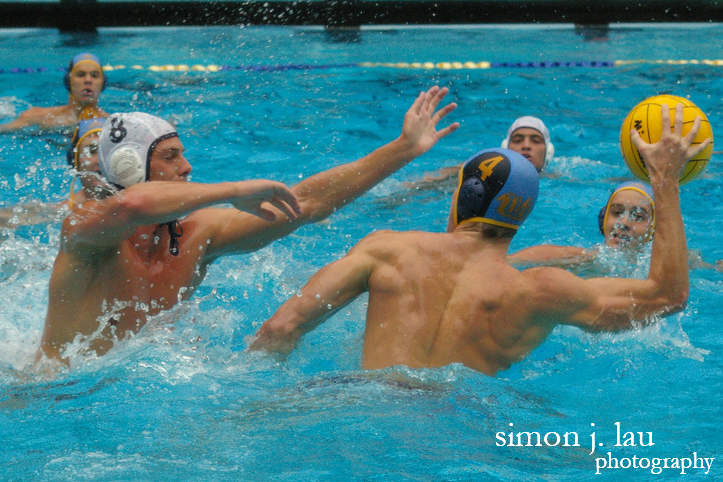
[{"x": 184, "y": 400}]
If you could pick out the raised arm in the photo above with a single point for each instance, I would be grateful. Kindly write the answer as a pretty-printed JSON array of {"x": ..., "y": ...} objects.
[
  {"x": 107, "y": 222},
  {"x": 329, "y": 290},
  {"x": 552, "y": 255},
  {"x": 324, "y": 193},
  {"x": 613, "y": 304}
]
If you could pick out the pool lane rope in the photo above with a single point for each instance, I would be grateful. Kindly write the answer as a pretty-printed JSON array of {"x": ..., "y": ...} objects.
[{"x": 397, "y": 65}]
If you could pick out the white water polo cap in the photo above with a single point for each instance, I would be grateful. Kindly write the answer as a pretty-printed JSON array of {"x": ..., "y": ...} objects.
[
  {"x": 126, "y": 145},
  {"x": 532, "y": 123}
]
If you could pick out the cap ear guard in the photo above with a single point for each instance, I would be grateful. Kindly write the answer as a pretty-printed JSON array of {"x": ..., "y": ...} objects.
[
  {"x": 70, "y": 153},
  {"x": 66, "y": 76},
  {"x": 549, "y": 154},
  {"x": 470, "y": 199},
  {"x": 601, "y": 219},
  {"x": 127, "y": 167}
]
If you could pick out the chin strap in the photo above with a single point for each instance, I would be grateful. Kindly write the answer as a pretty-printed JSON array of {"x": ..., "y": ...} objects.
[{"x": 174, "y": 231}]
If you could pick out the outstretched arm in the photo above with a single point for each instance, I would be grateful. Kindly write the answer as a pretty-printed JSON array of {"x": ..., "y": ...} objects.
[
  {"x": 43, "y": 117},
  {"x": 107, "y": 222},
  {"x": 329, "y": 290},
  {"x": 324, "y": 193},
  {"x": 24, "y": 120},
  {"x": 29, "y": 214},
  {"x": 613, "y": 304},
  {"x": 552, "y": 255},
  {"x": 696, "y": 261}
]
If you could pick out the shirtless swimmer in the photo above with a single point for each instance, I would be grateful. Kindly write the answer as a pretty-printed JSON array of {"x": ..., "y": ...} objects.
[
  {"x": 149, "y": 246},
  {"x": 442, "y": 298}
]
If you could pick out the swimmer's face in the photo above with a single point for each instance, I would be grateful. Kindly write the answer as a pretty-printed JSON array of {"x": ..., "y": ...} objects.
[
  {"x": 530, "y": 143},
  {"x": 629, "y": 223},
  {"x": 88, "y": 161},
  {"x": 86, "y": 82},
  {"x": 168, "y": 162}
]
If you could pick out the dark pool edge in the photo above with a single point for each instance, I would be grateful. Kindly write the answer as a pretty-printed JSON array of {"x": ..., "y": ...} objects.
[{"x": 64, "y": 14}]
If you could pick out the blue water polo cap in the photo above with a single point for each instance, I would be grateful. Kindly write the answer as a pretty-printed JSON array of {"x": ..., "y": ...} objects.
[
  {"x": 84, "y": 57},
  {"x": 84, "y": 129},
  {"x": 640, "y": 187},
  {"x": 496, "y": 186}
]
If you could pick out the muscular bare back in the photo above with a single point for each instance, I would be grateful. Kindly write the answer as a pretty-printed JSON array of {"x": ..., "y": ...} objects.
[{"x": 436, "y": 299}]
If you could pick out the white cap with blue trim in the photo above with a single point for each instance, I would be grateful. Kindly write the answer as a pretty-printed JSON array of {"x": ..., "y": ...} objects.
[{"x": 126, "y": 145}]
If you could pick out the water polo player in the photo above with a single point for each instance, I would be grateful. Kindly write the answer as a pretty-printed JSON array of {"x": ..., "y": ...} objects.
[
  {"x": 627, "y": 221},
  {"x": 84, "y": 80},
  {"x": 116, "y": 248},
  {"x": 527, "y": 136},
  {"x": 530, "y": 137},
  {"x": 628, "y": 218},
  {"x": 442, "y": 298},
  {"x": 496, "y": 189},
  {"x": 82, "y": 155}
]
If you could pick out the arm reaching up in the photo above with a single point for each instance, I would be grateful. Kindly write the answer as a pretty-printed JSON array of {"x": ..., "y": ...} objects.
[
  {"x": 609, "y": 304},
  {"x": 322, "y": 194}
]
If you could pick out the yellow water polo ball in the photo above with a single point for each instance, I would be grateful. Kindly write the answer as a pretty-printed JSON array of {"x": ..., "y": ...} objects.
[{"x": 646, "y": 119}]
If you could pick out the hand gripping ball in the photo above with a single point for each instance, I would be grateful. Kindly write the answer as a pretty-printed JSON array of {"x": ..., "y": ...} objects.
[{"x": 646, "y": 119}]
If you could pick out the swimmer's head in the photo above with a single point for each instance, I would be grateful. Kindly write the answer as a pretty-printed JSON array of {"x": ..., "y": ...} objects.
[
  {"x": 82, "y": 66},
  {"x": 85, "y": 128},
  {"x": 496, "y": 186},
  {"x": 529, "y": 136},
  {"x": 628, "y": 218},
  {"x": 126, "y": 145}
]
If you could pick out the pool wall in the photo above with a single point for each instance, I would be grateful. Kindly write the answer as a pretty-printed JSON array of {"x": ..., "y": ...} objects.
[{"x": 63, "y": 14}]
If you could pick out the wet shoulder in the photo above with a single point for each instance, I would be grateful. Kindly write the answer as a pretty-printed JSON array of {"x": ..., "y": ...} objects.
[
  {"x": 551, "y": 284},
  {"x": 396, "y": 243}
]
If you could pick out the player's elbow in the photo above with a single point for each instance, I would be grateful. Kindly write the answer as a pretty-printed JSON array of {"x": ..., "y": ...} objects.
[
  {"x": 276, "y": 336},
  {"x": 314, "y": 210},
  {"x": 677, "y": 302},
  {"x": 319, "y": 201}
]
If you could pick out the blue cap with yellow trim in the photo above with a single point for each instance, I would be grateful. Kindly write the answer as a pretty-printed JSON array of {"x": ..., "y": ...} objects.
[
  {"x": 640, "y": 187},
  {"x": 81, "y": 58},
  {"x": 85, "y": 128},
  {"x": 496, "y": 186}
]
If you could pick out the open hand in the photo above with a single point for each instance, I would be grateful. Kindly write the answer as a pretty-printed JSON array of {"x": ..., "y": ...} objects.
[
  {"x": 667, "y": 157},
  {"x": 420, "y": 121}
]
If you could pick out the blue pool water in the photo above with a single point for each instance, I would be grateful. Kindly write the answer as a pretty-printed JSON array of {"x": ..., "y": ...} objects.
[{"x": 184, "y": 400}]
